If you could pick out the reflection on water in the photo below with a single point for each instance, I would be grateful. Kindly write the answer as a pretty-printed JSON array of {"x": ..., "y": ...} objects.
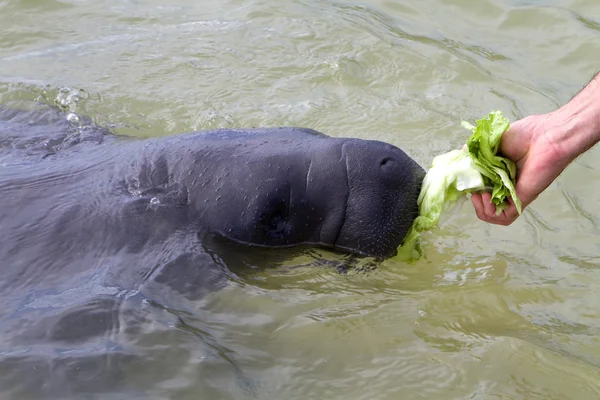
[{"x": 490, "y": 312}]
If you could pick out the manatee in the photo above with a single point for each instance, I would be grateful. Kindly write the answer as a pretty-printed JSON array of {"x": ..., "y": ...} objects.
[{"x": 96, "y": 226}]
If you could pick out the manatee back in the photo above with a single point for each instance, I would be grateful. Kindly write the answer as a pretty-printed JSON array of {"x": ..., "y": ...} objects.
[
  {"x": 233, "y": 134},
  {"x": 33, "y": 128}
]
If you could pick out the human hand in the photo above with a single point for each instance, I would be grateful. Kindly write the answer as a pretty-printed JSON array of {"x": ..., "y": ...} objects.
[
  {"x": 540, "y": 159},
  {"x": 542, "y": 146}
]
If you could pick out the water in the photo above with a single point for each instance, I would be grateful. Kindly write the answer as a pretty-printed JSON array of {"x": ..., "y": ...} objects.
[{"x": 490, "y": 312}]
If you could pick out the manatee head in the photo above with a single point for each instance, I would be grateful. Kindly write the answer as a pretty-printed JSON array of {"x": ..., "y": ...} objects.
[{"x": 287, "y": 188}]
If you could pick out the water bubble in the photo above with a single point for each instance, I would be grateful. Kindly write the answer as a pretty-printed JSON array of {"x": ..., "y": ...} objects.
[
  {"x": 68, "y": 98},
  {"x": 154, "y": 201},
  {"x": 72, "y": 117}
]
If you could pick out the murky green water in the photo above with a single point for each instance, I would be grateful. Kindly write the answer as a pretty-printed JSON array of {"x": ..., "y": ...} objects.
[{"x": 490, "y": 313}]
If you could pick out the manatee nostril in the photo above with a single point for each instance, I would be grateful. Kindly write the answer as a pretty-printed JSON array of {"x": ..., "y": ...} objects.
[{"x": 385, "y": 161}]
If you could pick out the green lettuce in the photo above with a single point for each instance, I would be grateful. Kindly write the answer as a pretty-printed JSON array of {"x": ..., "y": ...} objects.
[{"x": 452, "y": 175}]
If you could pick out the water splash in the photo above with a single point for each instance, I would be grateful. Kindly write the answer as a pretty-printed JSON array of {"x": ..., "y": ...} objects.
[{"x": 68, "y": 98}]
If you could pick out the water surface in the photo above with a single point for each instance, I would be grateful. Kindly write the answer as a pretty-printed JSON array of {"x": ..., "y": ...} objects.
[{"x": 490, "y": 312}]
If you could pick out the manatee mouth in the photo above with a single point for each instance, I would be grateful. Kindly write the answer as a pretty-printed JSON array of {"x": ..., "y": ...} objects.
[{"x": 419, "y": 174}]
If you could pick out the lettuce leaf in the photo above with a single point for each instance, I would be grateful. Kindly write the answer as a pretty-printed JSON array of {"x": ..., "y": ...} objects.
[{"x": 454, "y": 174}]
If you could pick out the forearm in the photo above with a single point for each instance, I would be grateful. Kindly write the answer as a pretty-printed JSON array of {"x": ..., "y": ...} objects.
[{"x": 575, "y": 127}]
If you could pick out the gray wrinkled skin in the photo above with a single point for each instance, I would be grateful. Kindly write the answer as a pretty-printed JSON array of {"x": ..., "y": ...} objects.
[{"x": 95, "y": 227}]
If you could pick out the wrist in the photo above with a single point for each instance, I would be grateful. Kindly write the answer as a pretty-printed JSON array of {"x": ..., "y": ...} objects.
[{"x": 575, "y": 127}]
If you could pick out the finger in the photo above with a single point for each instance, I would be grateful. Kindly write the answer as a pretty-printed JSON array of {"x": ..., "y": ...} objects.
[
  {"x": 511, "y": 211},
  {"x": 515, "y": 142},
  {"x": 481, "y": 203},
  {"x": 489, "y": 207},
  {"x": 479, "y": 207},
  {"x": 500, "y": 219}
]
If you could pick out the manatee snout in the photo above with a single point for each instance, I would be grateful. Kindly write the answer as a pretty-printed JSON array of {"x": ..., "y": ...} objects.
[{"x": 384, "y": 184}]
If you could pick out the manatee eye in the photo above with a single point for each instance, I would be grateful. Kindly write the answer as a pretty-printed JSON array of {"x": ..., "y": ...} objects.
[
  {"x": 273, "y": 219},
  {"x": 277, "y": 224}
]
